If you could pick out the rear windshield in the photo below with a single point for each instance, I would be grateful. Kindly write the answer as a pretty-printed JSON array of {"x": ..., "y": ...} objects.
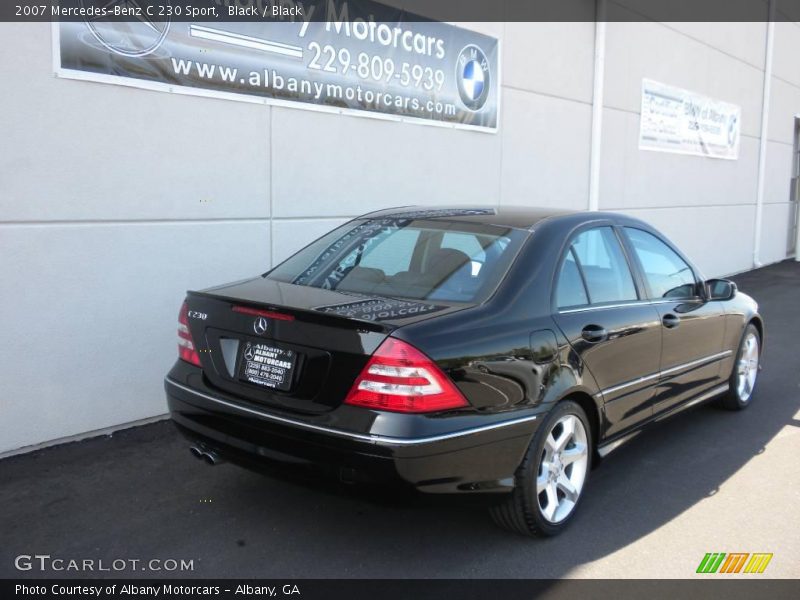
[{"x": 406, "y": 258}]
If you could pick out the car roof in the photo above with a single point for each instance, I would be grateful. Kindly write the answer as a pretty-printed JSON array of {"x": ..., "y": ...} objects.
[{"x": 517, "y": 217}]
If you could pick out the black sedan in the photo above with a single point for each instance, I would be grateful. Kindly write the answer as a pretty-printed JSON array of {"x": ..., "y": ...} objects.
[{"x": 474, "y": 351}]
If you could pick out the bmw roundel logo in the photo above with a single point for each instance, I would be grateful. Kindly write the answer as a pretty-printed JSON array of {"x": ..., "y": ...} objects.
[
  {"x": 473, "y": 77},
  {"x": 260, "y": 325}
]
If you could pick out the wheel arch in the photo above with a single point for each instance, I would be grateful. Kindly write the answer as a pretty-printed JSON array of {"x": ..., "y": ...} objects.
[
  {"x": 758, "y": 323},
  {"x": 589, "y": 406}
]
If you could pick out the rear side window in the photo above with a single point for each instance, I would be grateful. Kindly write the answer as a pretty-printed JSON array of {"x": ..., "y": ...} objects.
[
  {"x": 667, "y": 274},
  {"x": 407, "y": 258},
  {"x": 570, "y": 291},
  {"x": 603, "y": 269}
]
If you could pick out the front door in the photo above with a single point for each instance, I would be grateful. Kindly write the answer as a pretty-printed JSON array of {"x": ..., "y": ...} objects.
[{"x": 692, "y": 328}]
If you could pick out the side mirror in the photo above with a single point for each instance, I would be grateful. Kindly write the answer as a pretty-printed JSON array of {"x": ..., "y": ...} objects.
[{"x": 720, "y": 289}]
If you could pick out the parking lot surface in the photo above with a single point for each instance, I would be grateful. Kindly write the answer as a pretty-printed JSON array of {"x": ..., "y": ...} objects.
[{"x": 706, "y": 481}]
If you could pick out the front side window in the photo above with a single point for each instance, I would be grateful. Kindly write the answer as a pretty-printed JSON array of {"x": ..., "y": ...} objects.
[
  {"x": 667, "y": 274},
  {"x": 597, "y": 258},
  {"x": 407, "y": 258}
]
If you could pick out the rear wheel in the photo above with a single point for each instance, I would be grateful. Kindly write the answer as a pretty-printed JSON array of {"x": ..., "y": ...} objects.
[
  {"x": 743, "y": 378},
  {"x": 551, "y": 479}
]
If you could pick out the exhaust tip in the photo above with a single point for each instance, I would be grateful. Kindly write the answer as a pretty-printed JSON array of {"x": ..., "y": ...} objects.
[{"x": 208, "y": 456}]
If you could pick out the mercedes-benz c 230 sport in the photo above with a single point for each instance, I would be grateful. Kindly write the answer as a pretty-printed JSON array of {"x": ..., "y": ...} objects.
[{"x": 473, "y": 351}]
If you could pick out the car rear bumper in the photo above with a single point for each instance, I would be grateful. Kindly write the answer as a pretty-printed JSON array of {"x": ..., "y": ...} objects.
[{"x": 479, "y": 458}]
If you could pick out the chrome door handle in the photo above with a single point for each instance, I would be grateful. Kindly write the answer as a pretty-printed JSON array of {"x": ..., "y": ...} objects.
[{"x": 670, "y": 321}]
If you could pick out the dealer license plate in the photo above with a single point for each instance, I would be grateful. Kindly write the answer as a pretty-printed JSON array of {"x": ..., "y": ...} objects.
[{"x": 267, "y": 365}]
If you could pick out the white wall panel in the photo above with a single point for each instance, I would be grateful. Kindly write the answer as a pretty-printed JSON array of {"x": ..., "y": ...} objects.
[
  {"x": 778, "y": 172},
  {"x": 90, "y": 317},
  {"x": 545, "y": 151},
  {"x": 774, "y": 232},
  {"x": 550, "y": 58},
  {"x": 336, "y": 165},
  {"x": 632, "y": 178},
  {"x": 784, "y": 107},
  {"x": 645, "y": 50},
  {"x": 718, "y": 239},
  {"x": 742, "y": 40},
  {"x": 81, "y": 150},
  {"x": 202, "y": 177},
  {"x": 786, "y": 50}
]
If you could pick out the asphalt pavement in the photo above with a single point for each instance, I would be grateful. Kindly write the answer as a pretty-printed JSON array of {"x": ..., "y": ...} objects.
[{"x": 706, "y": 481}]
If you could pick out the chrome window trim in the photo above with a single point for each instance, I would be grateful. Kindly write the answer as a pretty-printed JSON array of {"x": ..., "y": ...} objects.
[
  {"x": 631, "y": 303},
  {"x": 374, "y": 439},
  {"x": 700, "y": 361}
]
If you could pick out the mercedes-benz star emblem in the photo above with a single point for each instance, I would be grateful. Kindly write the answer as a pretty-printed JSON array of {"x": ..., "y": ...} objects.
[
  {"x": 134, "y": 38},
  {"x": 260, "y": 325},
  {"x": 249, "y": 353}
]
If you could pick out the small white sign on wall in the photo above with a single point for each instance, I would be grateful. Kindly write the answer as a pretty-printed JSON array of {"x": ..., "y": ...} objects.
[{"x": 680, "y": 121}]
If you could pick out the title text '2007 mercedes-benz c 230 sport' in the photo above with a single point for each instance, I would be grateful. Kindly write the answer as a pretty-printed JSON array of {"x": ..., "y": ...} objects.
[{"x": 472, "y": 351}]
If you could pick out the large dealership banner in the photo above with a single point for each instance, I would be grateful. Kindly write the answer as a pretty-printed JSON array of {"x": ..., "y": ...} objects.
[
  {"x": 356, "y": 57},
  {"x": 677, "y": 120}
]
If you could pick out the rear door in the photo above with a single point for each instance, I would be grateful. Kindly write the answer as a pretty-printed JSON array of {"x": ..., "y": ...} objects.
[
  {"x": 693, "y": 329},
  {"x": 615, "y": 333}
]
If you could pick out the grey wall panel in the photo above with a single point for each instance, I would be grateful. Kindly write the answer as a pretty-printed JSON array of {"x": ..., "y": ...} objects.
[
  {"x": 632, "y": 178},
  {"x": 545, "y": 151},
  {"x": 550, "y": 58},
  {"x": 93, "y": 317},
  {"x": 653, "y": 51},
  {"x": 81, "y": 150},
  {"x": 718, "y": 239},
  {"x": 336, "y": 165}
]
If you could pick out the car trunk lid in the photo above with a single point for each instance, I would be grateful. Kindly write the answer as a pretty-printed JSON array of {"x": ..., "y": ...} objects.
[{"x": 290, "y": 346}]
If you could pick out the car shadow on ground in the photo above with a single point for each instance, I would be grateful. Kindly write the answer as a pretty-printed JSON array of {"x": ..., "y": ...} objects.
[{"x": 140, "y": 494}]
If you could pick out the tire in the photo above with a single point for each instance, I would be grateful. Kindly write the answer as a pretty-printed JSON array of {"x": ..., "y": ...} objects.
[
  {"x": 744, "y": 374},
  {"x": 534, "y": 514}
]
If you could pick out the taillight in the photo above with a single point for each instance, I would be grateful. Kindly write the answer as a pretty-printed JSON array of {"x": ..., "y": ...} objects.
[
  {"x": 400, "y": 378},
  {"x": 186, "y": 347}
]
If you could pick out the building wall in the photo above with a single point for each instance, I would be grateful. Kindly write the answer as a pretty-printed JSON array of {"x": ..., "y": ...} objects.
[
  {"x": 114, "y": 201},
  {"x": 784, "y": 109}
]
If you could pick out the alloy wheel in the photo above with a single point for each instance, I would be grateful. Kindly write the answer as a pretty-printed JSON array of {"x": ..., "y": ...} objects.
[
  {"x": 562, "y": 468},
  {"x": 747, "y": 368}
]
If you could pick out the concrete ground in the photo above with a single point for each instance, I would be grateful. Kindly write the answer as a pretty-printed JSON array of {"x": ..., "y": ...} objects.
[{"x": 706, "y": 481}]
